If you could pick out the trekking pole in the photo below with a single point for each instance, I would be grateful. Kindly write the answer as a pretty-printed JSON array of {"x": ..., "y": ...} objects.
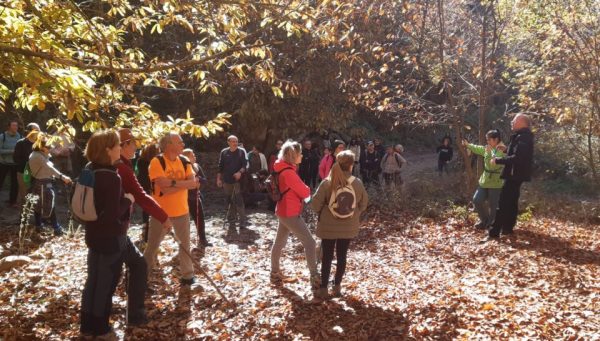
[
  {"x": 187, "y": 252},
  {"x": 228, "y": 208}
]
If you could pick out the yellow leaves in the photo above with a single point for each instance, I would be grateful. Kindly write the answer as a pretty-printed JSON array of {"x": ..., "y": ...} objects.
[
  {"x": 488, "y": 306},
  {"x": 277, "y": 91}
]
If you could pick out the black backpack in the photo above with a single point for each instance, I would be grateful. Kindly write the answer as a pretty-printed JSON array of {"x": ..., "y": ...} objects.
[{"x": 272, "y": 183}]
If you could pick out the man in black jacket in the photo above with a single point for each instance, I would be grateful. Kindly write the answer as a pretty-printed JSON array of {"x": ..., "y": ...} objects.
[
  {"x": 309, "y": 167},
  {"x": 517, "y": 169}
]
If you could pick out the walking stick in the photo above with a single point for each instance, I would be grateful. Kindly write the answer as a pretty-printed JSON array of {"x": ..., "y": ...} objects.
[{"x": 187, "y": 252}]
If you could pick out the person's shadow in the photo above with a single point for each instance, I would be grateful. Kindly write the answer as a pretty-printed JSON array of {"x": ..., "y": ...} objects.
[
  {"x": 243, "y": 237},
  {"x": 332, "y": 320},
  {"x": 553, "y": 247}
]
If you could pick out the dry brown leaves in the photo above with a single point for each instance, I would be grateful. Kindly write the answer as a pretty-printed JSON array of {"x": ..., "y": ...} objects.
[{"x": 410, "y": 278}]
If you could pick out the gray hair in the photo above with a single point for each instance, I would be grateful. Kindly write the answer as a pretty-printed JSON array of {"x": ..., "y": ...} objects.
[
  {"x": 166, "y": 140},
  {"x": 289, "y": 151},
  {"x": 526, "y": 118}
]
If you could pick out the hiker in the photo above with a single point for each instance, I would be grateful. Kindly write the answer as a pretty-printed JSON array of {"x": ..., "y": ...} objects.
[
  {"x": 356, "y": 148},
  {"x": 379, "y": 148},
  {"x": 232, "y": 166},
  {"x": 329, "y": 159},
  {"x": 195, "y": 199},
  {"x": 274, "y": 154},
  {"x": 288, "y": 212},
  {"x": 109, "y": 247},
  {"x": 142, "y": 165},
  {"x": 23, "y": 149},
  {"x": 391, "y": 165},
  {"x": 309, "y": 167},
  {"x": 131, "y": 184},
  {"x": 485, "y": 199},
  {"x": 339, "y": 202},
  {"x": 445, "y": 154},
  {"x": 8, "y": 140},
  {"x": 517, "y": 169},
  {"x": 43, "y": 174},
  {"x": 256, "y": 161},
  {"x": 171, "y": 175},
  {"x": 61, "y": 153},
  {"x": 370, "y": 165}
]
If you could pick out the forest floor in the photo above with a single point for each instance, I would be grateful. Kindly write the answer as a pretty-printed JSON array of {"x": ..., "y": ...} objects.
[{"x": 408, "y": 277}]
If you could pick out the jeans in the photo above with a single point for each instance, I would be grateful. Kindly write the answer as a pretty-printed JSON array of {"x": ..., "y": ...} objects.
[
  {"x": 10, "y": 170},
  {"x": 508, "y": 208},
  {"x": 341, "y": 251},
  {"x": 103, "y": 274},
  {"x": 156, "y": 233},
  {"x": 235, "y": 203},
  {"x": 486, "y": 213},
  {"x": 296, "y": 226}
]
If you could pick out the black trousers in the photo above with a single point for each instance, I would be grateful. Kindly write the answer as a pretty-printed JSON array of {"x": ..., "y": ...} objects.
[
  {"x": 341, "y": 251},
  {"x": 197, "y": 214},
  {"x": 104, "y": 272},
  {"x": 10, "y": 170},
  {"x": 508, "y": 208}
]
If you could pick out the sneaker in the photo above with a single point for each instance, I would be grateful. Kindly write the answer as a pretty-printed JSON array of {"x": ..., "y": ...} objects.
[
  {"x": 337, "y": 291},
  {"x": 481, "y": 226},
  {"x": 58, "y": 231}
]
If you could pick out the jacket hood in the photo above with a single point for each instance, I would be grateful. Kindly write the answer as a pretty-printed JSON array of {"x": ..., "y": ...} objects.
[{"x": 280, "y": 165}]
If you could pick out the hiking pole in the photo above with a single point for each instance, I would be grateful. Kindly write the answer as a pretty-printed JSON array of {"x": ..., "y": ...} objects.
[
  {"x": 228, "y": 208},
  {"x": 187, "y": 252}
]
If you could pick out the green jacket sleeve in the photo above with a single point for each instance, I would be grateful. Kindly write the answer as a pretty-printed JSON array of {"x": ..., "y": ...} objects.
[{"x": 476, "y": 149}]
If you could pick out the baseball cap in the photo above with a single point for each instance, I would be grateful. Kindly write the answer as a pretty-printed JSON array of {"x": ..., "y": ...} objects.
[{"x": 125, "y": 135}]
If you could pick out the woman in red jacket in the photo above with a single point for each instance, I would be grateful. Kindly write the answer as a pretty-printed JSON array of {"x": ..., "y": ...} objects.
[{"x": 289, "y": 210}]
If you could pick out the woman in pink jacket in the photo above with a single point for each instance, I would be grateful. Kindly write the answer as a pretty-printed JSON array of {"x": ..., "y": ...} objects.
[
  {"x": 288, "y": 212},
  {"x": 328, "y": 159}
]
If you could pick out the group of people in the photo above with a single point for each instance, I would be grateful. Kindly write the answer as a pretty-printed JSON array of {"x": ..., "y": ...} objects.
[{"x": 166, "y": 179}]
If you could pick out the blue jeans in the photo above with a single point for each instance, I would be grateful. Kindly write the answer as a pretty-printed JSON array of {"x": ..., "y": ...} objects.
[{"x": 485, "y": 201}]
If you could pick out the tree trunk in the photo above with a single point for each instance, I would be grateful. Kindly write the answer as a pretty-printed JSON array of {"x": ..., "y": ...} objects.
[{"x": 482, "y": 86}]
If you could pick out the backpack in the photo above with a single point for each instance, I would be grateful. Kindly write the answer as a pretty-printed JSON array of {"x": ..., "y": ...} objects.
[
  {"x": 272, "y": 183},
  {"x": 83, "y": 204},
  {"x": 342, "y": 202},
  {"x": 27, "y": 175},
  {"x": 184, "y": 160},
  {"x": 254, "y": 163}
]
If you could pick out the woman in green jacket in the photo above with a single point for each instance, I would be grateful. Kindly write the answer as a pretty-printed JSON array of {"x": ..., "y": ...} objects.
[
  {"x": 339, "y": 201},
  {"x": 487, "y": 194}
]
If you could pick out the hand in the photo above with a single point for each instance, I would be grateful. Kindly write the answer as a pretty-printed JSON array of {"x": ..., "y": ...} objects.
[
  {"x": 488, "y": 148},
  {"x": 219, "y": 183},
  {"x": 493, "y": 161},
  {"x": 130, "y": 197},
  {"x": 237, "y": 176},
  {"x": 465, "y": 142},
  {"x": 168, "y": 224},
  {"x": 66, "y": 180}
]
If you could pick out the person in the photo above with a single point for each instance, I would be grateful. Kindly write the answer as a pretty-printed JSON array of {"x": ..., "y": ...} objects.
[
  {"x": 326, "y": 139},
  {"x": 232, "y": 166},
  {"x": 130, "y": 182},
  {"x": 517, "y": 169},
  {"x": 370, "y": 165},
  {"x": 274, "y": 154},
  {"x": 61, "y": 153},
  {"x": 256, "y": 161},
  {"x": 43, "y": 173},
  {"x": 445, "y": 154},
  {"x": 399, "y": 149},
  {"x": 288, "y": 212},
  {"x": 109, "y": 247},
  {"x": 379, "y": 148},
  {"x": 309, "y": 167},
  {"x": 335, "y": 232},
  {"x": 23, "y": 149},
  {"x": 172, "y": 176},
  {"x": 485, "y": 199},
  {"x": 142, "y": 165},
  {"x": 327, "y": 162},
  {"x": 195, "y": 201},
  {"x": 356, "y": 148},
  {"x": 8, "y": 140},
  {"x": 391, "y": 165}
]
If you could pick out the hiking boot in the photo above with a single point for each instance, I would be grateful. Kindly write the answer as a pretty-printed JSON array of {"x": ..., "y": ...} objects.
[
  {"x": 137, "y": 322},
  {"x": 322, "y": 294},
  {"x": 337, "y": 291},
  {"x": 204, "y": 243}
]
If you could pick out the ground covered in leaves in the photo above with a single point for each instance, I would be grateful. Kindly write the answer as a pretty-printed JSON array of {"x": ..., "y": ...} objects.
[{"x": 407, "y": 277}]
